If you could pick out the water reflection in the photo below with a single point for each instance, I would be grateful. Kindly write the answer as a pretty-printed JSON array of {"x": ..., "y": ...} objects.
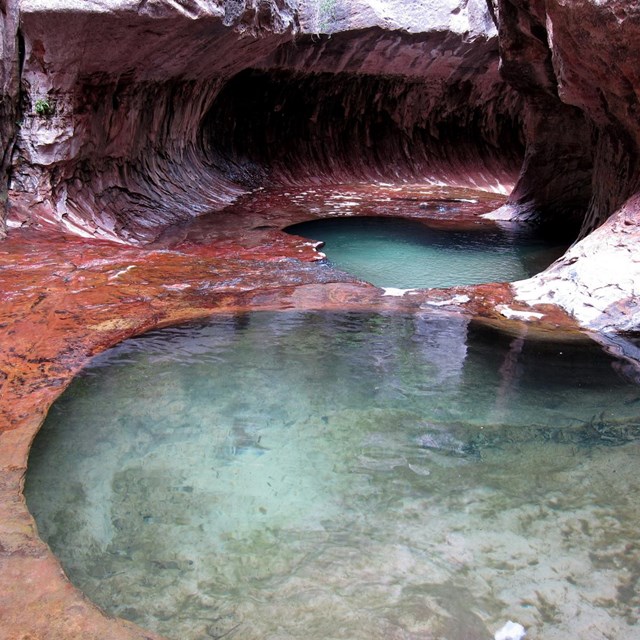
[{"x": 317, "y": 475}]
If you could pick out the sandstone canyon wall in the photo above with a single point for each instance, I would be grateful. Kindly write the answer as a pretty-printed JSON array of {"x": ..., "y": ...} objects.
[
  {"x": 9, "y": 94},
  {"x": 575, "y": 64},
  {"x": 122, "y": 116},
  {"x": 127, "y": 84},
  {"x": 161, "y": 110}
]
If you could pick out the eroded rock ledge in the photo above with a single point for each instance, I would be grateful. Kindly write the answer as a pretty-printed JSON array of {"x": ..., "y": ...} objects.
[{"x": 157, "y": 114}]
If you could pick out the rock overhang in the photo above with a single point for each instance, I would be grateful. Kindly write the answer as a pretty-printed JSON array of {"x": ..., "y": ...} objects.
[{"x": 130, "y": 86}]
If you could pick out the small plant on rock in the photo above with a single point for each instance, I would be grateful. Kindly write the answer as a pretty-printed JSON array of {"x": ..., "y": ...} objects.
[
  {"x": 43, "y": 107},
  {"x": 325, "y": 16}
]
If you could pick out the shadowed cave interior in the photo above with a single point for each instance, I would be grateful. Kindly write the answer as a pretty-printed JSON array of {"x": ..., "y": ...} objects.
[{"x": 296, "y": 127}]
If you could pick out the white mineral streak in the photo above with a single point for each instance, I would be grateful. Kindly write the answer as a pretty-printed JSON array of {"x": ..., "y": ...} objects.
[
  {"x": 513, "y": 314},
  {"x": 455, "y": 300},
  {"x": 393, "y": 291}
]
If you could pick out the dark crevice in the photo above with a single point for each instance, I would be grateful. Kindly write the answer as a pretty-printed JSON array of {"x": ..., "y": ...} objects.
[{"x": 21, "y": 51}]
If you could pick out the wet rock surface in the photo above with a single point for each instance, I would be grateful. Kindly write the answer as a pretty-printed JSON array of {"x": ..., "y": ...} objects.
[
  {"x": 201, "y": 102},
  {"x": 597, "y": 280},
  {"x": 573, "y": 64}
]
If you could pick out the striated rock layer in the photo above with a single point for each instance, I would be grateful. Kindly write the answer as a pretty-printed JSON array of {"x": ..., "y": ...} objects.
[
  {"x": 125, "y": 85},
  {"x": 575, "y": 64},
  {"x": 119, "y": 118},
  {"x": 159, "y": 111},
  {"x": 9, "y": 94},
  {"x": 377, "y": 106}
]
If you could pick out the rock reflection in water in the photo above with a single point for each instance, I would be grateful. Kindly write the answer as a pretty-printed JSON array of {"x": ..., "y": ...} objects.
[{"x": 317, "y": 475}]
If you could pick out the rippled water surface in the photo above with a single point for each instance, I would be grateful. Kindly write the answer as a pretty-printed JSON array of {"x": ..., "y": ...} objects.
[
  {"x": 402, "y": 253},
  {"x": 317, "y": 476}
]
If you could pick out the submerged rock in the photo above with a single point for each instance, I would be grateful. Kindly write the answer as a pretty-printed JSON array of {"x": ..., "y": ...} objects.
[
  {"x": 469, "y": 440},
  {"x": 437, "y": 439}
]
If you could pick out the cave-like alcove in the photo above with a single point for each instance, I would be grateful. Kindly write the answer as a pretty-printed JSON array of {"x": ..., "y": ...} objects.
[{"x": 295, "y": 127}]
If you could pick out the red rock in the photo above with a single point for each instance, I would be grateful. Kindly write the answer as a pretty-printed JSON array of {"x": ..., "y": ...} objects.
[{"x": 64, "y": 299}]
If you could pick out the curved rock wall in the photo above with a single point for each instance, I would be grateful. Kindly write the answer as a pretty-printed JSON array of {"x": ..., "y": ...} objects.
[
  {"x": 124, "y": 146},
  {"x": 575, "y": 63},
  {"x": 596, "y": 48},
  {"x": 555, "y": 179},
  {"x": 9, "y": 93},
  {"x": 372, "y": 105},
  {"x": 125, "y": 85}
]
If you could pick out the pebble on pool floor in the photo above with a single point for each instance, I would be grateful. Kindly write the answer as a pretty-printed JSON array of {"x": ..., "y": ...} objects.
[{"x": 510, "y": 631}]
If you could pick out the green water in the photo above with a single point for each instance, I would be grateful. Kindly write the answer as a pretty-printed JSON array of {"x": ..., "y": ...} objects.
[
  {"x": 405, "y": 254},
  {"x": 318, "y": 476}
]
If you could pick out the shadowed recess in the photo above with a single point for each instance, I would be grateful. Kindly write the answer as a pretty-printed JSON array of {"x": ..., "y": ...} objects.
[{"x": 300, "y": 127}]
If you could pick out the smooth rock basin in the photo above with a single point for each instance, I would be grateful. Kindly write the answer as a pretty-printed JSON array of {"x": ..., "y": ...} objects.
[
  {"x": 347, "y": 475},
  {"x": 403, "y": 253}
]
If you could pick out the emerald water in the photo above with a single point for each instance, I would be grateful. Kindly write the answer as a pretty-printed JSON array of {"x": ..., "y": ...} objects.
[
  {"x": 403, "y": 253},
  {"x": 358, "y": 476}
]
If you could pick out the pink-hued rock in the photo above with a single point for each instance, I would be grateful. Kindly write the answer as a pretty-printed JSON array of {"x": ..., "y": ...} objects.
[
  {"x": 595, "y": 48},
  {"x": 128, "y": 83},
  {"x": 163, "y": 111},
  {"x": 9, "y": 96},
  {"x": 378, "y": 106},
  {"x": 575, "y": 63}
]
